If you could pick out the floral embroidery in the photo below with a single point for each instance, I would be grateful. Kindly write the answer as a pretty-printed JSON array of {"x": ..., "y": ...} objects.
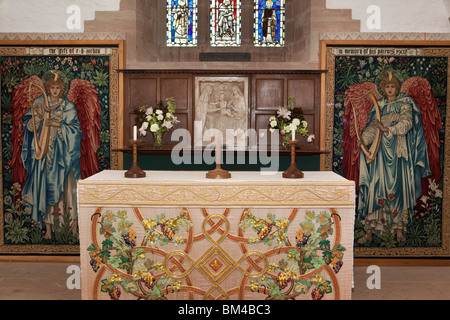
[
  {"x": 301, "y": 270},
  {"x": 135, "y": 274},
  {"x": 263, "y": 229},
  {"x": 297, "y": 273},
  {"x": 168, "y": 228}
]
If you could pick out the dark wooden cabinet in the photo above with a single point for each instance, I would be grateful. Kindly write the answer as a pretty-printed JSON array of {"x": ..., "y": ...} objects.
[{"x": 268, "y": 90}]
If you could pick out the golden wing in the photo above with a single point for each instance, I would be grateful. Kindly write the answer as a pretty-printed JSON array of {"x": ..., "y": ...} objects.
[{"x": 372, "y": 152}]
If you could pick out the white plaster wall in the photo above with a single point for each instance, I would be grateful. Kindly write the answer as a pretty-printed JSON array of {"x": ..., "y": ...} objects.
[
  {"x": 430, "y": 16},
  {"x": 47, "y": 16}
]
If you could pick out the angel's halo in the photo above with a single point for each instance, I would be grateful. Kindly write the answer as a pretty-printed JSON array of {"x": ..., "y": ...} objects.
[
  {"x": 395, "y": 73},
  {"x": 50, "y": 74}
]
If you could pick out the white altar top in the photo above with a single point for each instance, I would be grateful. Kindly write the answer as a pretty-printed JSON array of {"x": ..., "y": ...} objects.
[
  {"x": 317, "y": 188},
  {"x": 200, "y": 177}
]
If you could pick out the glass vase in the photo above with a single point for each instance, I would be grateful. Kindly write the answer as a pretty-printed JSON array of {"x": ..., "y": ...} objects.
[
  {"x": 284, "y": 142},
  {"x": 157, "y": 139}
]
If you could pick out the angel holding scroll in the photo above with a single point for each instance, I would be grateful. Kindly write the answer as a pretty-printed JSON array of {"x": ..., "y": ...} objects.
[
  {"x": 390, "y": 147},
  {"x": 55, "y": 142}
]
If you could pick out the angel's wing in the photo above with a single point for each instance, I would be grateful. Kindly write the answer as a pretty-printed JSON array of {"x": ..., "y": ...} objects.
[
  {"x": 358, "y": 103},
  {"x": 21, "y": 97},
  {"x": 419, "y": 89},
  {"x": 85, "y": 98}
]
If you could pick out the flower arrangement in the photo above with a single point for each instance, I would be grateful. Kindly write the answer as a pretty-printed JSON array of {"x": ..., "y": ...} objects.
[
  {"x": 288, "y": 120},
  {"x": 157, "y": 121}
]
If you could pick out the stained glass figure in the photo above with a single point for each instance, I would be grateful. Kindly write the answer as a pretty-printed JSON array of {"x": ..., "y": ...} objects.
[
  {"x": 269, "y": 18},
  {"x": 225, "y": 23},
  {"x": 182, "y": 23}
]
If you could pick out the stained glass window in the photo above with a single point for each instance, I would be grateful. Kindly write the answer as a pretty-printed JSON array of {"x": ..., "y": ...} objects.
[
  {"x": 225, "y": 23},
  {"x": 182, "y": 23},
  {"x": 269, "y": 18}
]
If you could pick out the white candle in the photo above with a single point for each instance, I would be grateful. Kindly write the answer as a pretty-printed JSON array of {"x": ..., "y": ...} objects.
[
  {"x": 135, "y": 133},
  {"x": 293, "y": 133}
]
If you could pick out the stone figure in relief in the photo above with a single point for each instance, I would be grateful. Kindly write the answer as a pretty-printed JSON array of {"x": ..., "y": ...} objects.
[
  {"x": 238, "y": 107},
  {"x": 222, "y": 106}
]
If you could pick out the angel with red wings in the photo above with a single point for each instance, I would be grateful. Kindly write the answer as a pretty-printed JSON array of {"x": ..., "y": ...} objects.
[
  {"x": 391, "y": 149},
  {"x": 55, "y": 138}
]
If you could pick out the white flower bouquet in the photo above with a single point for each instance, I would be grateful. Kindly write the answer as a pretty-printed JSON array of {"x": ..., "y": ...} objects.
[
  {"x": 157, "y": 120},
  {"x": 289, "y": 121}
]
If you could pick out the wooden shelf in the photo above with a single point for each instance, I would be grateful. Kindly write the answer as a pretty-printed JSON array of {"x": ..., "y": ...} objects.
[
  {"x": 167, "y": 149},
  {"x": 219, "y": 71}
]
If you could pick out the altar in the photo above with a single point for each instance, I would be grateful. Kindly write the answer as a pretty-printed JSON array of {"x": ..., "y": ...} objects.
[{"x": 178, "y": 235}]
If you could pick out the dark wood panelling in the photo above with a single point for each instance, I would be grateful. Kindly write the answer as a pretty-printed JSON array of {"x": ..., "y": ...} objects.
[
  {"x": 141, "y": 92},
  {"x": 267, "y": 92},
  {"x": 304, "y": 92},
  {"x": 178, "y": 88},
  {"x": 149, "y": 89},
  {"x": 273, "y": 90}
]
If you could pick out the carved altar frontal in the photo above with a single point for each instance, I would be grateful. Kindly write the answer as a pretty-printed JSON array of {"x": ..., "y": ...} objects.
[{"x": 176, "y": 235}]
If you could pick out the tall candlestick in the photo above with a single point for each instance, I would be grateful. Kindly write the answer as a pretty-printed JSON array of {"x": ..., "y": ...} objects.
[
  {"x": 293, "y": 172},
  {"x": 218, "y": 172},
  {"x": 135, "y": 133},
  {"x": 135, "y": 171},
  {"x": 218, "y": 150}
]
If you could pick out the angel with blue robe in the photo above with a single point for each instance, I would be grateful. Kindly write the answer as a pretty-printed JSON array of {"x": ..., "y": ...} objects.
[
  {"x": 56, "y": 140},
  {"x": 390, "y": 150}
]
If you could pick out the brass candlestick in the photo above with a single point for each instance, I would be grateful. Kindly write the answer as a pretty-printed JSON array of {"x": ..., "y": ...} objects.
[
  {"x": 135, "y": 171},
  {"x": 293, "y": 172}
]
